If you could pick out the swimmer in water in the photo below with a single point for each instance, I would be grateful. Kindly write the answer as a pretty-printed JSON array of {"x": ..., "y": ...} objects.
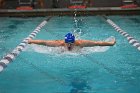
[{"x": 69, "y": 43}]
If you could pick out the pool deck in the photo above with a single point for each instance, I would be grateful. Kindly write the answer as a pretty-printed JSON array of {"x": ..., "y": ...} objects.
[{"x": 67, "y": 11}]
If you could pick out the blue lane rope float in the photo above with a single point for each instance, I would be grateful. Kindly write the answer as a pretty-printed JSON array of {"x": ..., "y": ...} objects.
[
  {"x": 10, "y": 56},
  {"x": 130, "y": 39}
]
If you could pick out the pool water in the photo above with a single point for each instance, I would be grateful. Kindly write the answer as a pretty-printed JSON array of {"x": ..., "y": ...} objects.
[
  {"x": 14, "y": 30},
  {"x": 41, "y": 69}
]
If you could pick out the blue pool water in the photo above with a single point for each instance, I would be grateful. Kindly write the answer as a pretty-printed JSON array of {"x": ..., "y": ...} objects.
[{"x": 41, "y": 69}]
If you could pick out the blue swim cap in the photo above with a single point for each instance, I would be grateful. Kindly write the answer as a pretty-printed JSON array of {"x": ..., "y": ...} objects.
[{"x": 69, "y": 38}]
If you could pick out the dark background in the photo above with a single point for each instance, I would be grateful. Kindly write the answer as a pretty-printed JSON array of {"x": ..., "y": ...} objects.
[{"x": 12, "y": 4}]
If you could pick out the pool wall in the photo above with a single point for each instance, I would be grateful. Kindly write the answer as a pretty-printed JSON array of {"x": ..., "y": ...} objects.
[
  {"x": 66, "y": 11},
  {"x": 12, "y": 4}
]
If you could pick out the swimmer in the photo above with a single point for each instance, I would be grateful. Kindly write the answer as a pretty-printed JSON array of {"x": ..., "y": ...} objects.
[{"x": 69, "y": 43}]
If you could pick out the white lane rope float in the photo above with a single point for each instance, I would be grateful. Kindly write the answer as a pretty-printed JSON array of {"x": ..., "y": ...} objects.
[
  {"x": 10, "y": 56},
  {"x": 130, "y": 39}
]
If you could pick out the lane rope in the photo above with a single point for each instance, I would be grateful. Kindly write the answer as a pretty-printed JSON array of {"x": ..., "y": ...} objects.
[
  {"x": 130, "y": 39},
  {"x": 12, "y": 55}
]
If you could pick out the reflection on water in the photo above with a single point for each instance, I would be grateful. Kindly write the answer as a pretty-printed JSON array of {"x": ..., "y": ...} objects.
[
  {"x": 135, "y": 20},
  {"x": 79, "y": 86},
  {"x": 12, "y": 26},
  {"x": 10, "y": 29}
]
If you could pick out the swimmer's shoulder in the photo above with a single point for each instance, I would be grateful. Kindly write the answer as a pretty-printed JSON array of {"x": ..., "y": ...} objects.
[
  {"x": 60, "y": 42},
  {"x": 78, "y": 42}
]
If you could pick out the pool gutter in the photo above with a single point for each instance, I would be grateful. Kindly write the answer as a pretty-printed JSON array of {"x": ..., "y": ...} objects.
[{"x": 66, "y": 11}]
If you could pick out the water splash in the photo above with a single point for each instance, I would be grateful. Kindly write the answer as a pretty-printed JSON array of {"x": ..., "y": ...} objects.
[
  {"x": 77, "y": 33},
  {"x": 63, "y": 51}
]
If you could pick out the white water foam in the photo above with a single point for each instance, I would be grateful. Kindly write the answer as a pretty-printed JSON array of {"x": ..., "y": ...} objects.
[
  {"x": 77, "y": 33},
  {"x": 63, "y": 51},
  {"x": 1, "y": 68}
]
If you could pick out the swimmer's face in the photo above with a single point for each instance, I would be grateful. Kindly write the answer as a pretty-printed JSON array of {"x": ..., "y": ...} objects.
[{"x": 69, "y": 46}]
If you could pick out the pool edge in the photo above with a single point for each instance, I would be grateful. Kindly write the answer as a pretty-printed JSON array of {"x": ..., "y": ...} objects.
[{"x": 66, "y": 11}]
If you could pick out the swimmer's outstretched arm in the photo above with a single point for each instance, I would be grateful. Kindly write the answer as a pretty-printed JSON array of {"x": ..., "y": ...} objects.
[
  {"x": 51, "y": 43},
  {"x": 90, "y": 43}
]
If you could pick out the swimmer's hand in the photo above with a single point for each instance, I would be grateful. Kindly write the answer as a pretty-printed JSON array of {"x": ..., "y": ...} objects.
[
  {"x": 113, "y": 41},
  {"x": 30, "y": 41}
]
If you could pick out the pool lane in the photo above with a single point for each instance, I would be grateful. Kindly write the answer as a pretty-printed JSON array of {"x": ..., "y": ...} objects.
[
  {"x": 10, "y": 56},
  {"x": 130, "y": 39},
  {"x": 106, "y": 72}
]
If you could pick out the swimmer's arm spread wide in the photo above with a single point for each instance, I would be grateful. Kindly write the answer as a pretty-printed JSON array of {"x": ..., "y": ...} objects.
[
  {"x": 91, "y": 43},
  {"x": 51, "y": 43}
]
